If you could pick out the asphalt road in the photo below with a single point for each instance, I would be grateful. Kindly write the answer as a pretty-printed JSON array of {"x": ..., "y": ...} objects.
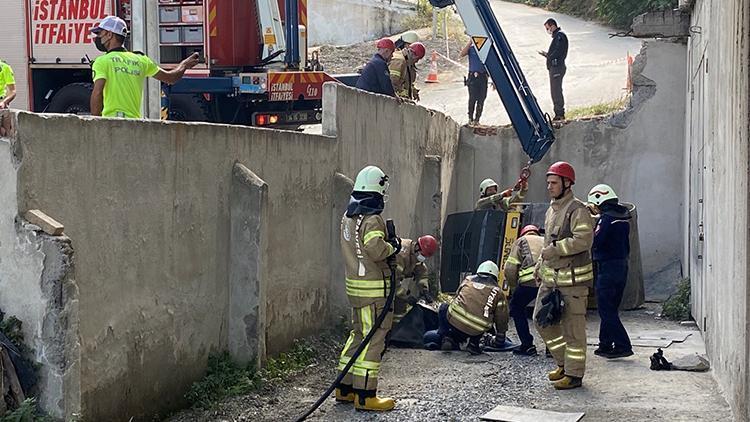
[{"x": 597, "y": 66}]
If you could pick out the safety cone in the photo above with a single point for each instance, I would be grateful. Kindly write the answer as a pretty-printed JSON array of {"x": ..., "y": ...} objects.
[{"x": 432, "y": 76}]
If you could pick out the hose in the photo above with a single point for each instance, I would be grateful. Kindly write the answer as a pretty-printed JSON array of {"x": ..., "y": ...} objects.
[{"x": 378, "y": 322}]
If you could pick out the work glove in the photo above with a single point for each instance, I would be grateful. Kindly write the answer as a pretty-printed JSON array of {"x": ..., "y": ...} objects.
[
  {"x": 396, "y": 243},
  {"x": 550, "y": 252}
]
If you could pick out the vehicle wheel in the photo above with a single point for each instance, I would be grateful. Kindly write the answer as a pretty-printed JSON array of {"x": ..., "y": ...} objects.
[
  {"x": 188, "y": 108},
  {"x": 73, "y": 99}
]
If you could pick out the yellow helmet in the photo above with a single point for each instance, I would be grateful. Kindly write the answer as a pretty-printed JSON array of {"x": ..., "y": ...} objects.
[
  {"x": 601, "y": 193},
  {"x": 409, "y": 37},
  {"x": 371, "y": 179}
]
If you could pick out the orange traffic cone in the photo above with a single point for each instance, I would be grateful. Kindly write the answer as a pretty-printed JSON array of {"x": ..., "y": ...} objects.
[{"x": 432, "y": 76}]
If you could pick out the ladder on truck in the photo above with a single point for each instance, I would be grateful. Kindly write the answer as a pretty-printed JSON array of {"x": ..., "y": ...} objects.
[{"x": 532, "y": 126}]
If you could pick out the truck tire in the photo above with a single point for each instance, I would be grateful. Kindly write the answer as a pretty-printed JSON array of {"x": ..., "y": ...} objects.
[
  {"x": 188, "y": 108},
  {"x": 73, "y": 99}
]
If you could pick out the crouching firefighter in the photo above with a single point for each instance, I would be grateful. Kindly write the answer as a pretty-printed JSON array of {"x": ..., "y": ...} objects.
[
  {"x": 411, "y": 274},
  {"x": 478, "y": 308},
  {"x": 566, "y": 274},
  {"x": 365, "y": 248}
]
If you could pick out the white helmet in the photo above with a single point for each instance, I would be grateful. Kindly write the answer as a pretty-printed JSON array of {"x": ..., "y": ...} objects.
[
  {"x": 600, "y": 193},
  {"x": 488, "y": 268},
  {"x": 486, "y": 183},
  {"x": 410, "y": 37},
  {"x": 371, "y": 179}
]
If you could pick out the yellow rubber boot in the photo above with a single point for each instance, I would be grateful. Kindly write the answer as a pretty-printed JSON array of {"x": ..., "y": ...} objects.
[
  {"x": 370, "y": 401},
  {"x": 344, "y": 396},
  {"x": 567, "y": 383},
  {"x": 557, "y": 374}
]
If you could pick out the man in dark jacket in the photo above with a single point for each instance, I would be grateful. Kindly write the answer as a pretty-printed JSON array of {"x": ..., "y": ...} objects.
[
  {"x": 375, "y": 76},
  {"x": 610, "y": 254},
  {"x": 556, "y": 54}
]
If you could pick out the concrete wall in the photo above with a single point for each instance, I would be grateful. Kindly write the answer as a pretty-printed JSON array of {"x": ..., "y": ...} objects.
[
  {"x": 37, "y": 287},
  {"x": 639, "y": 152},
  {"x": 192, "y": 238},
  {"x": 343, "y": 22},
  {"x": 716, "y": 170}
]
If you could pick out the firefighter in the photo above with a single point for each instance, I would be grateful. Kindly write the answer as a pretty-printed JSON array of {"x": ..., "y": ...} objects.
[
  {"x": 375, "y": 76},
  {"x": 403, "y": 70},
  {"x": 519, "y": 273},
  {"x": 119, "y": 74},
  {"x": 490, "y": 199},
  {"x": 406, "y": 39},
  {"x": 366, "y": 247},
  {"x": 411, "y": 274},
  {"x": 478, "y": 307},
  {"x": 565, "y": 265},
  {"x": 7, "y": 85},
  {"x": 610, "y": 253}
]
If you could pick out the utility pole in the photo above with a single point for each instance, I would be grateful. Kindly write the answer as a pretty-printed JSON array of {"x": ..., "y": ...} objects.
[{"x": 145, "y": 15}]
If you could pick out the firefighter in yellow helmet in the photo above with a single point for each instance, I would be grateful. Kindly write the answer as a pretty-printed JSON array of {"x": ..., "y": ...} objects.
[
  {"x": 478, "y": 307},
  {"x": 491, "y": 199},
  {"x": 365, "y": 248},
  {"x": 565, "y": 268},
  {"x": 411, "y": 274}
]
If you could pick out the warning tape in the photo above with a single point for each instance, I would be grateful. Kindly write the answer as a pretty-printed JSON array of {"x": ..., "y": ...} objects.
[{"x": 453, "y": 61}]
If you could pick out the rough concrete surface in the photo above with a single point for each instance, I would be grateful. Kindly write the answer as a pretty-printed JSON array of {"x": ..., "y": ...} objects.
[
  {"x": 716, "y": 177},
  {"x": 351, "y": 21},
  {"x": 639, "y": 152},
  {"x": 431, "y": 386}
]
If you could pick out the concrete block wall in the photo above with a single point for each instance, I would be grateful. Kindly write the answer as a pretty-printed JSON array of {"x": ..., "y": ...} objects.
[
  {"x": 716, "y": 175},
  {"x": 639, "y": 152},
  {"x": 344, "y": 22}
]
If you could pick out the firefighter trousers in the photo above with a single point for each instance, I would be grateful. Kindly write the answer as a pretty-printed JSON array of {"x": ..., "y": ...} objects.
[
  {"x": 567, "y": 339},
  {"x": 363, "y": 374}
]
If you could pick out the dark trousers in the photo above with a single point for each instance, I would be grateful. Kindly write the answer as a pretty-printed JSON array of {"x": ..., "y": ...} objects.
[
  {"x": 522, "y": 296},
  {"x": 446, "y": 329},
  {"x": 556, "y": 75},
  {"x": 611, "y": 276},
  {"x": 477, "y": 83}
]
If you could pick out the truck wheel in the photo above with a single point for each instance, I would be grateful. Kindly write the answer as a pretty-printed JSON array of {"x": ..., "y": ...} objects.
[
  {"x": 73, "y": 99},
  {"x": 188, "y": 108}
]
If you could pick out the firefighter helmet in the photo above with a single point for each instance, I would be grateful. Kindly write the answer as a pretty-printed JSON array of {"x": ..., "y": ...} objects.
[
  {"x": 409, "y": 37},
  {"x": 488, "y": 268},
  {"x": 371, "y": 179},
  {"x": 486, "y": 183},
  {"x": 601, "y": 193},
  {"x": 386, "y": 43},
  {"x": 528, "y": 229},
  {"x": 418, "y": 49},
  {"x": 563, "y": 169},
  {"x": 427, "y": 245}
]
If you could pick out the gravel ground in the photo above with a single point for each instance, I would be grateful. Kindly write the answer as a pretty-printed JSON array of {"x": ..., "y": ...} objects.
[{"x": 455, "y": 386}]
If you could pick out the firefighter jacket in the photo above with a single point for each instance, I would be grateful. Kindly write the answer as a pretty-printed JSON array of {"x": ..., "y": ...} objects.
[
  {"x": 408, "y": 267},
  {"x": 569, "y": 227},
  {"x": 499, "y": 202},
  {"x": 612, "y": 233},
  {"x": 365, "y": 250},
  {"x": 477, "y": 306},
  {"x": 403, "y": 75},
  {"x": 520, "y": 264}
]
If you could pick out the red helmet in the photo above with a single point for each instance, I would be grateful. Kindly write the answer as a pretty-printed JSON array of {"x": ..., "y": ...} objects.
[
  {"x": 418, "y": 49},
  {"x": 427, "y": 245},
  {"x": 529, "y": 228},
  {"x": 386, "y": 43},
  {"x": 563, "y": 169}
]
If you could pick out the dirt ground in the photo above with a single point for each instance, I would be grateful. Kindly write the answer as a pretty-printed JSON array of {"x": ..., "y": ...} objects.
[{"x": 455, "y": 386}]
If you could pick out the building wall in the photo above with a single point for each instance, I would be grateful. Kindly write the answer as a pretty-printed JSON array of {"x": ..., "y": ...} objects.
[
  {"x": 344, "y": 22},
  {"x": 716, "y": 177}
]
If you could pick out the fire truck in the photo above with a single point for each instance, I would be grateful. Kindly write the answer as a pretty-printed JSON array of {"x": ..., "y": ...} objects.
[{"x": 254, "y": 66}]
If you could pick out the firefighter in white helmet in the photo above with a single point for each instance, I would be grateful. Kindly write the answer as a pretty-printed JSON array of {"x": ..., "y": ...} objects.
[
  {"x": 365, "y": 248},
  {"x": 478, "y": 307},
  {"x": 490, "y": 199},
  {"x": 406, "y": 39}
]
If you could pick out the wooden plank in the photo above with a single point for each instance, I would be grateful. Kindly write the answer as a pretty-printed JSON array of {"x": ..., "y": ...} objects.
[
  {"x": 48, "y": 224},
  {"x": 520, "y": 414},
  {"x": 10, "y": 372}
]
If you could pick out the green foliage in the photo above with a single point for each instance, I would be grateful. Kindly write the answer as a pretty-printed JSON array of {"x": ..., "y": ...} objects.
[
  {"x": 601, "y": 109},
  {"x": 27, "y": 412},
  {"x": 677, "y": 307},
  {"x": 225, "y": 378}
]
